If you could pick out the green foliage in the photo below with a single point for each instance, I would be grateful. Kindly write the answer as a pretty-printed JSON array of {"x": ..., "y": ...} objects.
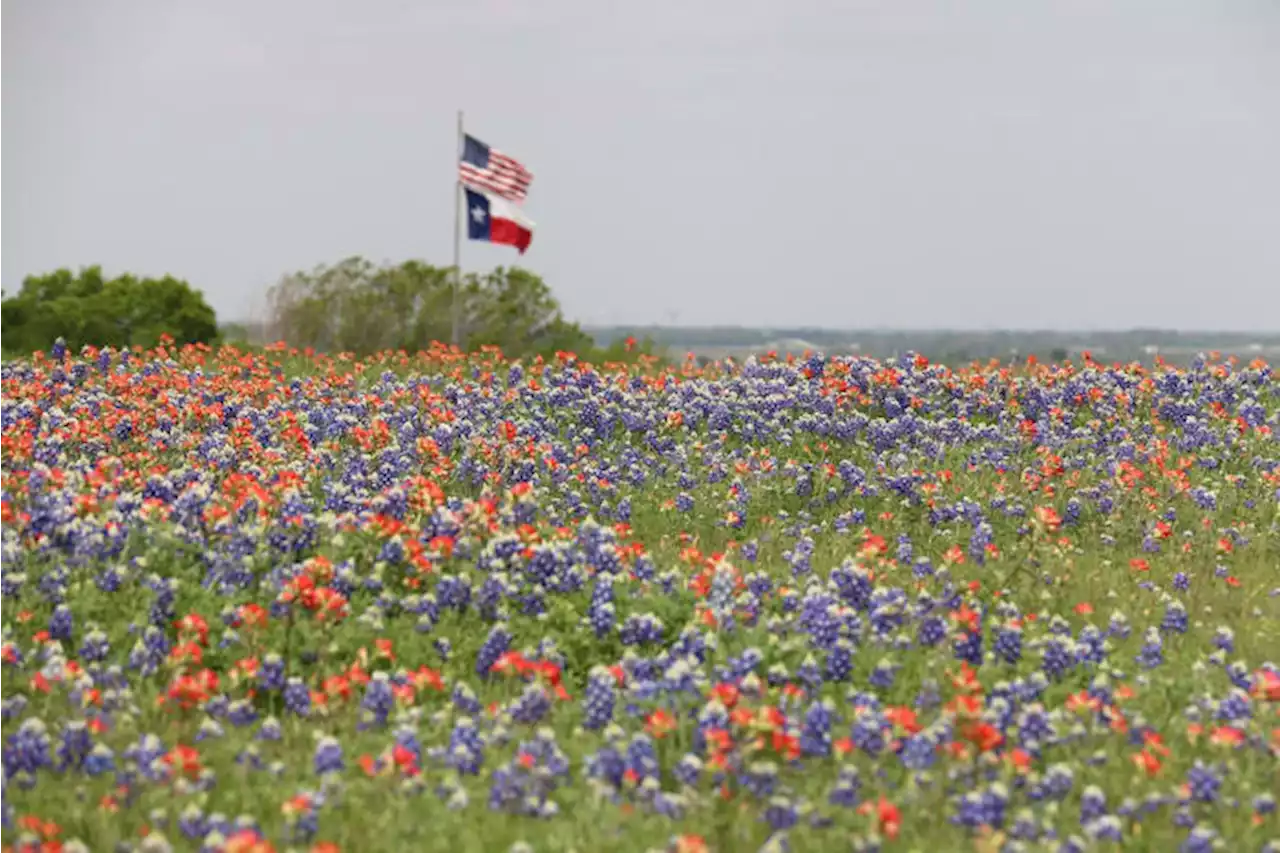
[
  {"x": 87, "y": 308},
  {"x": 358, "y": 307}
]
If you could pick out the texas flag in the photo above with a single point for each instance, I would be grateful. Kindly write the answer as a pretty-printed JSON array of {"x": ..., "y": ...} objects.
[{"x": 491, "y": 219}]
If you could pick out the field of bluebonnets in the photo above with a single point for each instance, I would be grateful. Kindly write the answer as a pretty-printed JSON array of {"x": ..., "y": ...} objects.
[{"x": 275, "y": 601}]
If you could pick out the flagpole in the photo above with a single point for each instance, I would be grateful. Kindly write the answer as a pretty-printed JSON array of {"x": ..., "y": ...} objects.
[{"x": 457, "y": 235}]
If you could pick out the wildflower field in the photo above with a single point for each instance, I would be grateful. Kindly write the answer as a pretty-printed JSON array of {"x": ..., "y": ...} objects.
[{"x": 276, "y": 601}]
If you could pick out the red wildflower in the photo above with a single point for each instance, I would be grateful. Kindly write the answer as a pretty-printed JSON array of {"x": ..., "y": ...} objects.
[
  {"x": 193, "y": 625},
  {"x": 903, "y": 717},
  {"x": 660, "y": 723},
  {"x": 984, "y": 736},
  {"x": 184, "y": 760},
  {"x": 888, "y": 816},
  {"x": 1147, "y": 762},
  {"x": 785, "y": 745},
  {"x": 690, "y": 843},
  {"x": 247, "y": 841},
  {"x": 1266, "y": 686},
  {"x": 1048, "y": 518},
  {"x": 1020, "y": 759},
  {"x": 46, "y": 829},
  {"x": 726, "y": 693},
  {"x": 1227, "y": 736}
]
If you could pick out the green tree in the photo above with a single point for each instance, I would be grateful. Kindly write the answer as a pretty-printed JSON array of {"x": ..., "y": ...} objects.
[
  {"x": 358, "y": 307},
  {"x": 515, "y": 310},
  {"x": 87, "y": 308}
]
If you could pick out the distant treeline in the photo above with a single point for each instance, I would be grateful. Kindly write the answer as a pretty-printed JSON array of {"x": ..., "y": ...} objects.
[
  {"x": 948, "y": 346},
  {"x": 953, "y": 346}
]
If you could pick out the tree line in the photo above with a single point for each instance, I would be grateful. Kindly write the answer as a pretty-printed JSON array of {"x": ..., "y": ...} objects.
[{"x": 352, "y": 306}]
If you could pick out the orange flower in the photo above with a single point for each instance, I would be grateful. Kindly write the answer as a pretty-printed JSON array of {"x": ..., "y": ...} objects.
[
  {"x": 193, "y": 624},
  {"x": 1020, "y": 759},
  {"x": 187, "y": 652},
  {"x": 1048, "y": 517},
  {"x": 425, "y": 676},
  {"x": 690, "y": 844},
  {"x": 888, "y": 816},
  {"x": 46, "y": 829},
  {"x": 786, "y": 745},
  {"x": 183, "y": 759},
  {"x": 967, "y": 680},
  {"x": 984, "y": 736},
  {"x": 1266, "y": 686},
  {"x": 1226, "y": 736},
  {"x": 1153, "y": 740},
  {"x": 247, "y": 841},
  {"x": 903, "y": 717},
  {"x": 965, "y": 706},
  {"x": 966, "y": 616},
  {"x": 1082, "y": 701},
  {"x": 727, "y": 694},
  {"x": 1147, "y": 762},
  {"x": 296, "y": 804},
  {"x": 660, "y": 724}
]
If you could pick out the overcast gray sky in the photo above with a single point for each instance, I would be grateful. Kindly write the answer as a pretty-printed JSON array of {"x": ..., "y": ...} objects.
[{"x": 912, "y": 163}]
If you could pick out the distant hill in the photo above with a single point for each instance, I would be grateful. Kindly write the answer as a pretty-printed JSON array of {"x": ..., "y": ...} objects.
[
  {"x": 1177, "y": 346},
  {"x": 948, "y": 345}
]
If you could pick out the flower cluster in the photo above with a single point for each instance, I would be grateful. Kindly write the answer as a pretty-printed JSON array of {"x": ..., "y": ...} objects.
[{"x": 260, "y": 601}]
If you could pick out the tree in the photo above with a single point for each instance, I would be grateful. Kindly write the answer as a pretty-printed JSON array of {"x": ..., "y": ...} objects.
[
  {"x": 355, "y": 306},
  {"x": 87, "y": 308},
  {"x": 514, "y": 310}
]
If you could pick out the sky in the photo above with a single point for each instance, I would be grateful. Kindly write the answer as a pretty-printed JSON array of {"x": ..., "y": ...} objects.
[{"x": 928, "y": 164}]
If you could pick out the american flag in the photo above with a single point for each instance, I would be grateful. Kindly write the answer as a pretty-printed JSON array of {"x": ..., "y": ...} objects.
[{"x": 484, "y": 168}]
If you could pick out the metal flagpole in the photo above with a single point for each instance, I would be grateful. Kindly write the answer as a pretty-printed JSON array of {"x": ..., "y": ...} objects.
[{"x": 457, "y": 236}]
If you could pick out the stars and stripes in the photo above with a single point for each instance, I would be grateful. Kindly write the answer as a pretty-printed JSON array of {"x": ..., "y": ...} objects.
[{"x": 484, "y": 168}]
